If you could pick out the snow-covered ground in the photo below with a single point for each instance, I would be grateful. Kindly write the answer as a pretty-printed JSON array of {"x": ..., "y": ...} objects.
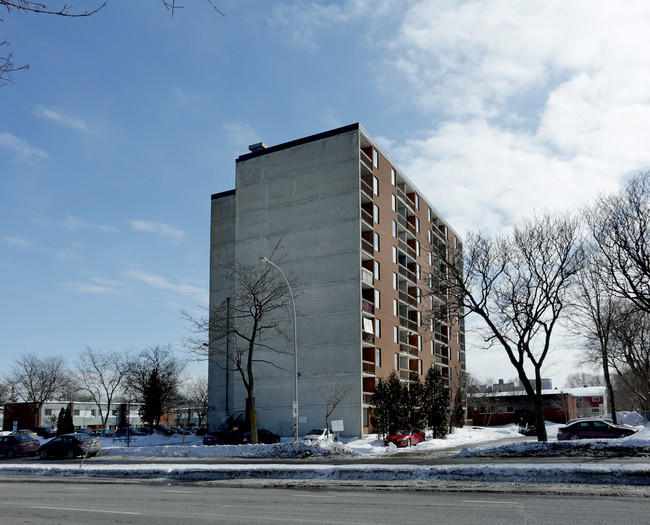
[{"x": 474, "y": 441}]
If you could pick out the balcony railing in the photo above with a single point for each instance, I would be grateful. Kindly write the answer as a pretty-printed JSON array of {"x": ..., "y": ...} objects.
[
  {"x": 367, "y": 306},
  {"x": 365, "y": 158},
  {"x": 368, "y": 338},
  {"x": 407, "y": 273},
  {"x": 408, "y": 299},
  {"x": 366, "y": 188},
  {"x": 367, "y": 246},
  {"x": 367, "y": 277},
  {"x": 367, "y": 399},
  {"x": 368, "y": 368},
  {"x": 407, "y": 323}
]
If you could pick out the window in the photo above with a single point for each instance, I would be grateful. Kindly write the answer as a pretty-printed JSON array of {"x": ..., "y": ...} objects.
[
  {"x": 394, "y": 229},
  {"x": 376, "y": 242},
  {"x": 114, "y": 412},
  {"x": 394, "y": 281},
  {"x": 396, "y": 361},
  {"x": 48, "y": 411},
  {"x": 595, "y": 399},
  {"x": 376, "y": 271},
  {"x": 375, "y": 185},
  {"x": 365, "y": 417},
  {"x": 395, "y": 308},
  {"x": 417, "y": 201},
  {"x": 417, "y": 225},
  {"x": 420, "y": 366},
  {"x": 395, "y": 335},
  {"x": 377, "y": 327},
  {"x": 394, "y": 202},
  {"x": 92, "y": 412},
  {"x": 377, "y": 302},
  {"x": 377, "y": 356},
  {"x": 76, "y": 412},
  {"x": 417, "y": 247},
  {"x": 395, "y": 256},
  {"x": 429, "y": 214},
  {"x": 376, "y": 213},
  {"x": 375, "y": 159},
  {"x": 392, "y": 177},
  {"x": 419, "y": 343}
]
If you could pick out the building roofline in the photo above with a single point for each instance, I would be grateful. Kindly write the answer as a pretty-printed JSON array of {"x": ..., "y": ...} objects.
[
  {"x": 222, "y": 194},
  {"x": 298, "y": 142}
]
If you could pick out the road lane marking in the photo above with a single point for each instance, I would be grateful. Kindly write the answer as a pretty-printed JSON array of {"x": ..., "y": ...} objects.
[{"x": 83, "y": 510}]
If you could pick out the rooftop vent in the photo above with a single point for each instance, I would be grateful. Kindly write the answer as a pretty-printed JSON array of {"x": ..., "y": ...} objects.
[{"x": 257, "y": 147}]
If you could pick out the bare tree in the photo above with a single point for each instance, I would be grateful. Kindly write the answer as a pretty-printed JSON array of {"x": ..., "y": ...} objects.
[
  {"x": 37, "y": 379},
  {"x": 197, "y": 397},
  {"x": 101, "y": 375},
  {"x": 583, "y": 379},
  {"x": 630, "y": 352},
  {"x": 620, "y": 228},
  {"x": 154, "y": 377},
  {"x": 593, "y": 317},
  {"x": 243, "y": 331},
  {"x": 517, "y": 285},
  {"x": 7, "y": 66},
  {"x": 333, "y": 391}
]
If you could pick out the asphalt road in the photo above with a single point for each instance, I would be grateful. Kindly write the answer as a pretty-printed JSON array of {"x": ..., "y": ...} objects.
[{"x": 92, "y": 502}]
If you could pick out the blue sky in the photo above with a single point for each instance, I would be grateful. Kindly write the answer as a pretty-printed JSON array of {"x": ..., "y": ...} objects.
[{"x": 127, "y": 121}]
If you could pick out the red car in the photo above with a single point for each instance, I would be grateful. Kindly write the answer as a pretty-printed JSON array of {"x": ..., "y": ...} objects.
[
  {"x": 18, "y": 445},
  {"x": 405, "y": 437}
]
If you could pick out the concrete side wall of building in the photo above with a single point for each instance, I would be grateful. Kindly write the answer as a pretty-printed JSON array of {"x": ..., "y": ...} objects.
[
  {"x": 300, "y": 208},
  {"x": 222, "y": 255}
]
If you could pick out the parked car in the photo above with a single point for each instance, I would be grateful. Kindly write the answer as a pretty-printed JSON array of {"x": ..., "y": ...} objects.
[
  {"x": 164, "y": 429},
  {"x": 24, "y": 432},
  {"x": 102, "y": 433},
  {"x": 263, "y": 436},
  {"x": 319, "y": 434},
  {"x": 122, "y": 432},
  {"x": 405, "y": 437},
  {"x": 70, "y": 446},
  {"x": 593, "y": 429},
  {"x": 187, "y": 431},
  {"x": 18, "y": 445},
  {"x": 46, "y": 432},
  {"x": 223, "y": 437}
]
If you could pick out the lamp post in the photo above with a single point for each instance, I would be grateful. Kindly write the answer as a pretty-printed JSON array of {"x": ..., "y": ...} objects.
[{"x": 295, "y": 349}]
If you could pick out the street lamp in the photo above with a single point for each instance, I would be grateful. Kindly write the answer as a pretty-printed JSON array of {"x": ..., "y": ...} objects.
[{"x": 295, "y": 349}]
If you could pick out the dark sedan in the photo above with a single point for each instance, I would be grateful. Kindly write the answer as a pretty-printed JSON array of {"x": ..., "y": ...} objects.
[
  {"x": 264, "y": 436},
  {"x": 70, "y": 446},
  {"x": 18, "y": 445},
  {"x": 405, "y": 437},
  {"x": 593, "y": 429}
]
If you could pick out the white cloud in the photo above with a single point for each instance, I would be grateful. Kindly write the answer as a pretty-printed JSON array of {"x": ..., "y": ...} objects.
[
  {"x": 17, "y": 241},
  {"x": 240, "y": 134},
  {"x": 198, "y": 293},
  {"x": 535, "y": 104},
  {"x": 59, "y": 116},
  {"x": 303, "y": 21},
  {"x": 70, "y": 222},
  {"x": 97, "y": 285},
  {"x": 158, "y": 227},
  {"x": 23, "y": 151}
]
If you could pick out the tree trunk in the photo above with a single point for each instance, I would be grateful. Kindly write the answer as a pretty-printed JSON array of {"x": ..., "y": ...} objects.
[
  {"x": 610, "y": 388},
  {"x": 540, "y": 420},
  {"x": 252, "y": 418}
]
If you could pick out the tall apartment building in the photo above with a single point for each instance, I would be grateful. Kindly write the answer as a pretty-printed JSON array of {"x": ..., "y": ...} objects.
[{"x": 355, "y": 233}]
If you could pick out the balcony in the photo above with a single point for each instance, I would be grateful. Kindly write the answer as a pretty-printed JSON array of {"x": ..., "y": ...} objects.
[
  {"x": 408, "y": 299},
  {"x": 367, "y": 399},
  {"x": 409, "y": 350},
  {"x": 366, "y": 188},
  {"x": 368, "y": 368},
  {"x": 367, "y": 277},
  {"x": 367, "y": 338},
  {"x": 406, "y": 198},
  {"x": 367, "y": 307},
  {"x": 407, "y": 323},
  {"x": 408, "y": 274},
  {"x": 407, "y": 249}
]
